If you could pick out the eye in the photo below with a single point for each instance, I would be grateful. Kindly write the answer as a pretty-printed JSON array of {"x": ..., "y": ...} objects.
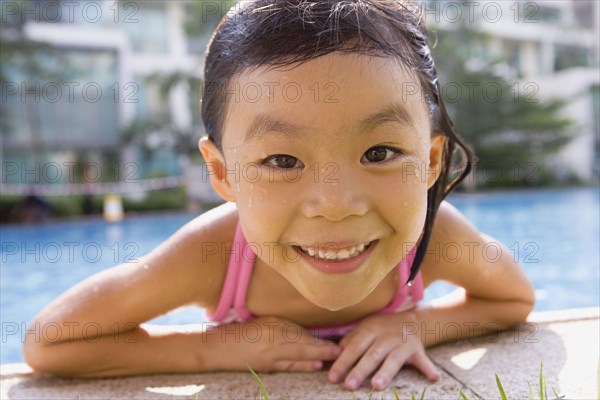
[
  {"x": 379, "y": 154},
  {"x": 282, "y": 161}
]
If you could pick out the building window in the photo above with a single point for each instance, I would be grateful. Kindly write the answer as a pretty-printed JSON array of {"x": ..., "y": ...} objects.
[
  {"x": 198, "y": 26},
  {"x": 512, "y": 55},
  {"x": 153, "y": 104},
  {"x": 596, "y": 115},
  {"x": 570, "y": 56},
  {"x": 70, "y": 106},
  {"x": 547, "y": 14},
  {"x": 584, "y": 12},
  {"x": 149, "y": 34}
]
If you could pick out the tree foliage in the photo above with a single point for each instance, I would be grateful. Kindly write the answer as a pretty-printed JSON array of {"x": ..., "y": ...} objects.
[{"x": 510, "y": 129}]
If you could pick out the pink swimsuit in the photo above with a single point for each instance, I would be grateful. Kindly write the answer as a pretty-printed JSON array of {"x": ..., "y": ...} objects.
[{"x": 232, "y": 306}]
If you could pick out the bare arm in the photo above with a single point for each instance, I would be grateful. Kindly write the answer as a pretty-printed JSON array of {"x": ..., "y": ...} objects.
[
  {"x": 495, "y": 293},
  {"x": 93, "y": 329}
]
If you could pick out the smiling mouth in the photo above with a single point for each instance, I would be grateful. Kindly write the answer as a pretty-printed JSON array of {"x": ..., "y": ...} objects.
[{"x": 332, "y": 254}]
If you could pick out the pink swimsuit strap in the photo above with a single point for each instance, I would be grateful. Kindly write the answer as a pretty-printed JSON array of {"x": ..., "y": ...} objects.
[{"x": 239, "y": 269}]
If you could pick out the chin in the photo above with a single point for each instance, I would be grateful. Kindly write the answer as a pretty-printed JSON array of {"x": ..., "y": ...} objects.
[{"x": 336, "y": 301}]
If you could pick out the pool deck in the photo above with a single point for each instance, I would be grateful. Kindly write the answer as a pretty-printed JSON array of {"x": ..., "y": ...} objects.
[{"x": 566, "y": 341}]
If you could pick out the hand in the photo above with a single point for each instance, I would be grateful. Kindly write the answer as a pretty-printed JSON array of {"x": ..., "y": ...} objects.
[
  {"x": 376, "y": 339},
  {"x": 268, "y": 344}
]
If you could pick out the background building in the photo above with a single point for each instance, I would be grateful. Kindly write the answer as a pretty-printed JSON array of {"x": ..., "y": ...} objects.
[
  {"x": 121, "y": 78},
  {"x": 109, "y": 58}
]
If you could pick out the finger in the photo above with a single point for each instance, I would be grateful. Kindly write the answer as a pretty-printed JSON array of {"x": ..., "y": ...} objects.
[
  {"x": 298, "y": 366},
  {"x": 390, "y": 367},
  {"x": 306, "y": 352},
  {"x": 348, "y": 357},
  {"x": 424, "y": 364},
  {"x": 345, "y": 340},
  {"x": 371, "y": 359}
]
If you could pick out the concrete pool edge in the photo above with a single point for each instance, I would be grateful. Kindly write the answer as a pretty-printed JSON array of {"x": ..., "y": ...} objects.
[
  {"x": 565, "y": 340},
  {"x": 569, "y": 314}
]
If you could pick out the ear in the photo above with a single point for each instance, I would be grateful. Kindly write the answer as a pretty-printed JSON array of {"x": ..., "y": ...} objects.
[
  {"x": 435, "y": 159},
  {"x": 215, "y": 164}
]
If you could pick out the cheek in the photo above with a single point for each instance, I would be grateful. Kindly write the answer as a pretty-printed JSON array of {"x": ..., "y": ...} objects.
[
  {"x": 406, "y": 203},
  {"x": 266, "y": 208}
]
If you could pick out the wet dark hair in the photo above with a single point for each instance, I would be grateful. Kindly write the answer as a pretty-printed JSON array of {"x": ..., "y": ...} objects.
[{"x": 278, "y": 33}]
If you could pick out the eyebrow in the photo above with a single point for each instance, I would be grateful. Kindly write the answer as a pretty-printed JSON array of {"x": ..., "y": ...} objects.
[
  {"x": 392, "y": 113},
  {"x": 264, "y": 122}
]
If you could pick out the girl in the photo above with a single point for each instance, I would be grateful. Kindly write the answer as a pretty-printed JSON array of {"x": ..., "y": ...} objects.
[{"x": 329, "y": 140}]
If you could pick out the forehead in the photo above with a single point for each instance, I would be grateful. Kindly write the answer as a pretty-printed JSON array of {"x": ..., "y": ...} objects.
[{"x": 332, "y": 93}]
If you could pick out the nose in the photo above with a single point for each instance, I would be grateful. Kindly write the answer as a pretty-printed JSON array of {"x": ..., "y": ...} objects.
[{"x": 336, "y": 198}]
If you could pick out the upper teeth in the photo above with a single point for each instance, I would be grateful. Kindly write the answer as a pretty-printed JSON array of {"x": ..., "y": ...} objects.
[{"x": 329, "y": 253}]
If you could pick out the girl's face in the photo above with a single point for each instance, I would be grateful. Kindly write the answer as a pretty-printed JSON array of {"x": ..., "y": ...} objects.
[{"x": 331, "y": 154}]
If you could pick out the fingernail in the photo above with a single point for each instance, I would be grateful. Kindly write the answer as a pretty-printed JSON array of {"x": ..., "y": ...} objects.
[
  {"x": 352, "y": 383},
  {"x": 378, "y": 382},
  {"x": 333, "y": 376}
]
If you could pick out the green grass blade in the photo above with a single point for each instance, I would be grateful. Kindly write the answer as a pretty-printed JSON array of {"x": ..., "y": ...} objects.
[
  {"x": 462, "y": 395},
  {"x": 396, "y": 394},
  {"x": 556, "y": 394},
  {"x": 260, "y": 383},
  {"x": 412, "y": 396},
  {"x": 423, "y": 394},
  {"x": 541, "y": 381},
  {"x": 500, "y": 388},
  {"x": 530, "y": 391},
  {"x": 371, "y": 393}
]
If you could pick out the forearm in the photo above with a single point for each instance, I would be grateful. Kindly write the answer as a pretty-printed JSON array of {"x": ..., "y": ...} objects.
[
  {"x": 144, "y": 350},
  {"x": 465, "y": 317}
]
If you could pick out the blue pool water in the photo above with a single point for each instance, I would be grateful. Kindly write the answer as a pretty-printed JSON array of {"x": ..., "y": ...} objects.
[{"x": 554, "y": 234}]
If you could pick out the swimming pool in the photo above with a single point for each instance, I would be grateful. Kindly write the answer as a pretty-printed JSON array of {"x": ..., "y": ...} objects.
[{"x": 553, "y": 233}]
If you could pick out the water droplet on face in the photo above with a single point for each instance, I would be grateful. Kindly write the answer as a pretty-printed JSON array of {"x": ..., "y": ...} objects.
[
  {"x": 146, "y": 266},
  {"x": 262, "y": 193}
]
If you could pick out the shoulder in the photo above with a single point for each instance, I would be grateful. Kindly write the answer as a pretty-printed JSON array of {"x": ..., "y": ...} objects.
[
  {"x": 195, "y": 257},
  {"x": 481, "y": 265},
  {"x": 457, "y": 249},
  {"x": 451, "y": 224}
]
